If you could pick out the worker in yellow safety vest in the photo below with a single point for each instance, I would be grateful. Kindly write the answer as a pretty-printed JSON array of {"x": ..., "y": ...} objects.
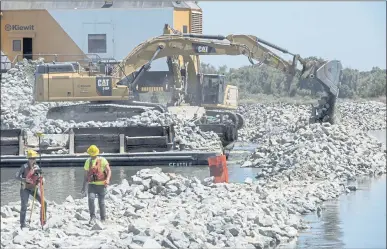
[{"x": 97, "y": 177}]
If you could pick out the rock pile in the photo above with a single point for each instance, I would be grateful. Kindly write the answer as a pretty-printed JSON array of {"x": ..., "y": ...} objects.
[
  {"x": 186, "y": 132},
  {"x": 17, "y": 105},
  {"x": 264, "y": 120},
  {"x": 299, "y": 170},
  {"x": 169, "y": 211},
  {"x": 315, "y": 151},
  {"x": 370, "y": 115},
  {"x": 19, "y": 111}
]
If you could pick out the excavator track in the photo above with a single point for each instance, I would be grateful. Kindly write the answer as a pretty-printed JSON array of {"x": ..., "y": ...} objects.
[{"x": 98, "y": 112}]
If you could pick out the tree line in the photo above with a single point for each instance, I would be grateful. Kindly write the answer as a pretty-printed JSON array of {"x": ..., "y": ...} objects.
[{"x": 267, "y": 80}]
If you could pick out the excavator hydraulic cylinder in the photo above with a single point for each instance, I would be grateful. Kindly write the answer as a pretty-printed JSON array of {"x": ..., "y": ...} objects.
[{"x": 214, "y": 37}]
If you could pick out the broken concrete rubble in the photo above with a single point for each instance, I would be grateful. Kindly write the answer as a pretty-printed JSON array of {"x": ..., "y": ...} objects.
[
  {"x": 265, "y": 120},
  {"x": 321, "y": 149},
  {"x": 160, "y": 210}
]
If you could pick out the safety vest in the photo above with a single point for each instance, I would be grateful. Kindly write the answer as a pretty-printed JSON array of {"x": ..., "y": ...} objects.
[
  {"x": 28, "y": 173},
  {"x": 95, "y": 173}
]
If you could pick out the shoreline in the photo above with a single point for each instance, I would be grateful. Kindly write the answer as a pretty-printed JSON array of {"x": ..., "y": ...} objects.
[
  {"x": 153, "y": 210},
  {"x": 341, "y": 215},
  {"x": 168, "y": 210}
]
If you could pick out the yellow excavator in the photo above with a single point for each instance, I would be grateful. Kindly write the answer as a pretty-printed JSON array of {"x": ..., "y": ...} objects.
[
  {"x": 214, "y": 96},
  {"x": 113, "y": 94}
]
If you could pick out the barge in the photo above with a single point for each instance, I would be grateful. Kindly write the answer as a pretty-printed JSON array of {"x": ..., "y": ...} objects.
[{"x": 122, "y": 146}]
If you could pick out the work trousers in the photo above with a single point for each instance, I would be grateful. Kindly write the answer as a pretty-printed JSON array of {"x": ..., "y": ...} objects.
[
  {"x": 24, "y": 196},
  {"x": 94, "y": 191}
]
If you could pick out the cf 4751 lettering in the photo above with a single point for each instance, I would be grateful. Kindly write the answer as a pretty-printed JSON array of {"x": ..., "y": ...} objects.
[{"x": 180, "y": 164}]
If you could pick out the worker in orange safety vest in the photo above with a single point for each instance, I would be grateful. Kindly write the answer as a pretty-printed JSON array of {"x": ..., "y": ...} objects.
[
  {"x": 96, "y": 178},
  {"x": 29, "y": 176}
]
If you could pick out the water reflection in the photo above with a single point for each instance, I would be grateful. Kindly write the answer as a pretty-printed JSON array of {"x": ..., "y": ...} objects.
[
  {"x": 62, "y": 182},
  {"x": 325, "y": 231},
  {"x": 355, "y": 220},
  {"x": 331, "y": 225}
]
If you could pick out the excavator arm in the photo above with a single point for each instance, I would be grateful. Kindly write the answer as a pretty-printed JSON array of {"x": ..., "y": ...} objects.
[
  {"x": 174, "y": 45},
  {"x": 171, "y": 45}
]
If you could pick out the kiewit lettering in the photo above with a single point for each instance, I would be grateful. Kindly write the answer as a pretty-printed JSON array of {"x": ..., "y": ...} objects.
[{"x": 19, "y": 27}]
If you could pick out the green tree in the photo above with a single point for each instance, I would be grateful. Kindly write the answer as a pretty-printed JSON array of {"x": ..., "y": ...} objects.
[{"x": 267, "y": 80}]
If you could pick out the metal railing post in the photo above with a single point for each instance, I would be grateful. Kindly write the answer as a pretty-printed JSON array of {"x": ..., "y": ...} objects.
[
  {"x": 122, "y": 143},
  {"x": 71, "y": 142}
]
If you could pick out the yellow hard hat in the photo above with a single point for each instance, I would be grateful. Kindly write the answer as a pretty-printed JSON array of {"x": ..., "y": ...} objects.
[
  {"x": 32, "y": 154},
  {"x": 93, "y": 150}
]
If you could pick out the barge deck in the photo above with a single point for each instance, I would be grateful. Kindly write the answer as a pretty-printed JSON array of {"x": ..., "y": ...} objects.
[{"x": 126, "y": 146}]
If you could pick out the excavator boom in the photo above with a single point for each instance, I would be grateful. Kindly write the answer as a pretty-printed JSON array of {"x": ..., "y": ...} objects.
[
  {"x": 171, "y": 45},
  {"x": 248, "y": 45}
]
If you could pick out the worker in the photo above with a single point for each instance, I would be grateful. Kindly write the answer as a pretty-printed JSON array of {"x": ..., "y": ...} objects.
[
  {"x": 29, "y": 176},
  {"x": 96, "y": 178}
]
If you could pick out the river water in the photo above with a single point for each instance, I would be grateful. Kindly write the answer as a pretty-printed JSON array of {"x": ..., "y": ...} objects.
[
  {"x": 62, "y": 182},
  {"x": 355, "y": 220}
]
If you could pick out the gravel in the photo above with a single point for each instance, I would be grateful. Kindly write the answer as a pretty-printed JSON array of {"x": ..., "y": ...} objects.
[
  {"x": 321, "y": 149},
  {"x": 159, "y": 210},
  {"x": 18, "y": 110},
  {"x": 265, "y": 120}
]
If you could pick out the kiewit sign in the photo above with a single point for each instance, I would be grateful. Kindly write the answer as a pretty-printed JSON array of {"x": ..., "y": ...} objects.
[{"x": 16, "y": 27}]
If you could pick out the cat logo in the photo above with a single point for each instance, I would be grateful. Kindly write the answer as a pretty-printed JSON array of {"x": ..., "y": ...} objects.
[
  {"x": 103, "y": 82},
  {"x": 202, "y": 49},
  {"x": 104, "y": 86}
]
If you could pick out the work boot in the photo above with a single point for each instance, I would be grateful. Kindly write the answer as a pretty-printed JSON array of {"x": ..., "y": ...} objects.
[
  {"x": 103, "y": 220},
  {"x": 92, "y": 220}
]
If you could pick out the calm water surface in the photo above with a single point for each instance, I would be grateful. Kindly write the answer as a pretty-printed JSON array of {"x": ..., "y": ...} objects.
[
  {"x": 355, "y": 220},
  {"x": 62, "y": 182}
]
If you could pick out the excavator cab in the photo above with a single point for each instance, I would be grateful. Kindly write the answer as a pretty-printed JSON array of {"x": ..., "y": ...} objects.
[
  {"x": 212, "y": 89},
  {"x": 216, "y": 93}
]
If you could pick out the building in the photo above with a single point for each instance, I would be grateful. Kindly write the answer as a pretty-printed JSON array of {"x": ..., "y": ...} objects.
[{"x": 108, "y": 29}]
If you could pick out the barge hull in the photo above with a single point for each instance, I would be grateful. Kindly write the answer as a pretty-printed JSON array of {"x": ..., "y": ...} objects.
[{"x": 180, "y": 159}]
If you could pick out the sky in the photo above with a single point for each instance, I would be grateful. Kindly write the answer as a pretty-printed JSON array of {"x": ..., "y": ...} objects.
[{"x": 352, "y": 32}]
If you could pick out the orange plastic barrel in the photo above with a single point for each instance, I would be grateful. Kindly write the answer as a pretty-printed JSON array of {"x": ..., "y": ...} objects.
[{"x": 218, "y": 168}]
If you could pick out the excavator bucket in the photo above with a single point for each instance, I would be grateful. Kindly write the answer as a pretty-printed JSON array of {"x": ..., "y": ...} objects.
[{"x": 329, "y": 76}]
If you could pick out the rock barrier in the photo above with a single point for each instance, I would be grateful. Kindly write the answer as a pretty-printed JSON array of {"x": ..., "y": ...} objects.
[
  {"x": 322, "y": 151},
  {"x": 158, "y": 210},
  {"x": 264, "y": 120}
]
